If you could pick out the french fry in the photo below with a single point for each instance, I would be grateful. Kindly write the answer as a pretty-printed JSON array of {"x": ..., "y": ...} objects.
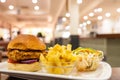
[{"x": 59, "y": 56}]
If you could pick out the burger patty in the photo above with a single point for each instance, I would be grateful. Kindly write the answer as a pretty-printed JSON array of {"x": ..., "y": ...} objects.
[{"x": 18, "y": 55}]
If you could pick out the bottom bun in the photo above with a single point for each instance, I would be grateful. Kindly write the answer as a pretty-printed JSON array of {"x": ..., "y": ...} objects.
[{"x": 25, "y": 67}]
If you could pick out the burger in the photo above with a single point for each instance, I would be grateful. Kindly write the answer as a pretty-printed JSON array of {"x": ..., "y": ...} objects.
[{"x": 24, "y": 52}]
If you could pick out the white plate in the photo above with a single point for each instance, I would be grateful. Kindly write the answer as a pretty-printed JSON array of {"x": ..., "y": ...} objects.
[{"x": 103, "y": 72}]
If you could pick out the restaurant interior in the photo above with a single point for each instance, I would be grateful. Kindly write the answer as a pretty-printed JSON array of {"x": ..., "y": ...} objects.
[{"x": 84, "y": 23}]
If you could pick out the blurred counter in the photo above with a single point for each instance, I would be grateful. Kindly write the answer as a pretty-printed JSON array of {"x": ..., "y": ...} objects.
[
  {"x": 108, "y": 43},
  {"x": 108, "y": 36}
]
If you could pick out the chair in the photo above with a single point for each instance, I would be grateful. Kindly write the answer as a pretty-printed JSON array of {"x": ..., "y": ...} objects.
[
  {"x": 0, "y": 60},
  {"x": 0, "y": 56}
]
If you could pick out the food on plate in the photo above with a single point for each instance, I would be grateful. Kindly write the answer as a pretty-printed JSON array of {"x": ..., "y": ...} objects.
[
  {"x": 59, "y": 60},
  {"x": 24, "y": 52},
  {"x": 88, "y": 58}
]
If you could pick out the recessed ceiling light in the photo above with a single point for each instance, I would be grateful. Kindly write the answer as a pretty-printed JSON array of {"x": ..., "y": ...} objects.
[
  {"x": 85, "y": 17},
  {"x": 79, "y": 1},
  {"x": 34, "y": 1},
  {"x": 67, "y": 14},
  {"x": 99, "y": 10},
  {"x": 64, "y": 19},
  {"x": 11, "y": 7},
  {"x": 99, "y": 17},
  {"x": 81, "y": 25},
  {"x": 118, "y": 10},
  {"x": 3, "y": 1},
  {"x": 91, "y": 14},
  {"x": 108, "y": 14},
  {"x": 36, "y": 8},
  {"x": 88, "y": 22}
]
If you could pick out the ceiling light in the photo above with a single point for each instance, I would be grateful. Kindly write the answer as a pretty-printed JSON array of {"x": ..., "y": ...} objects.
[
  {"x": 64, "y": 19},
  {"x": 118, "y": 10},
  {"x": 91, "y": 14},
  {"x": 34, "y": 1},
  {"x": 79, "y": 1},
  {"x": 11, "y": 7},
  {"x": 99, "y": 10},
  {"x": 67, "y": 14},
  {"x": 85, "y": 17},
  {"x": 81, "y": 25},
  {"x": 88, "y": 22},
  {"x": 3, "y": 1},
  {"x": 99, "y": 17},
  {"x": 36, "y": 8},
  {"x": 107, "y": 14}
]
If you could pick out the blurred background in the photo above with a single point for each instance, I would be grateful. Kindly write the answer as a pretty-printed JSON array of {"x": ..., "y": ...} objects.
[{"x": 85, "y": 23}]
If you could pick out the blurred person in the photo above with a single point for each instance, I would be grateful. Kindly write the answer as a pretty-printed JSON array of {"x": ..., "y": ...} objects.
[
  {"x": 18, "y": 32},
  {"x": 40, "y": 36},
  {"x": 1, "y": 39}
]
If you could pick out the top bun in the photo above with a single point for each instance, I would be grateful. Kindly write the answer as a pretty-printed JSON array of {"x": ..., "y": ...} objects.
[{"x": 26, "y": 42}]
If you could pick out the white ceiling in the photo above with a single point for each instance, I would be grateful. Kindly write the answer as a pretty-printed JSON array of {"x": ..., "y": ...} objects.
[
  {"x": 107, "y": 5},
  {"x": 24, "y": 12},
  {"x": 50, "y": 10}
]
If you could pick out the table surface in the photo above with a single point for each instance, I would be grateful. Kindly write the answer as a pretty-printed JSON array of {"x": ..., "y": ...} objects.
[{"x": 115, "y": 75}]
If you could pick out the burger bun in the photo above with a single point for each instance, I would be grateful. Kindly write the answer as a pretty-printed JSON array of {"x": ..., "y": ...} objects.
[
  {"x": 26, "y": 42},
  {"x": 25, "y": 67}
]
